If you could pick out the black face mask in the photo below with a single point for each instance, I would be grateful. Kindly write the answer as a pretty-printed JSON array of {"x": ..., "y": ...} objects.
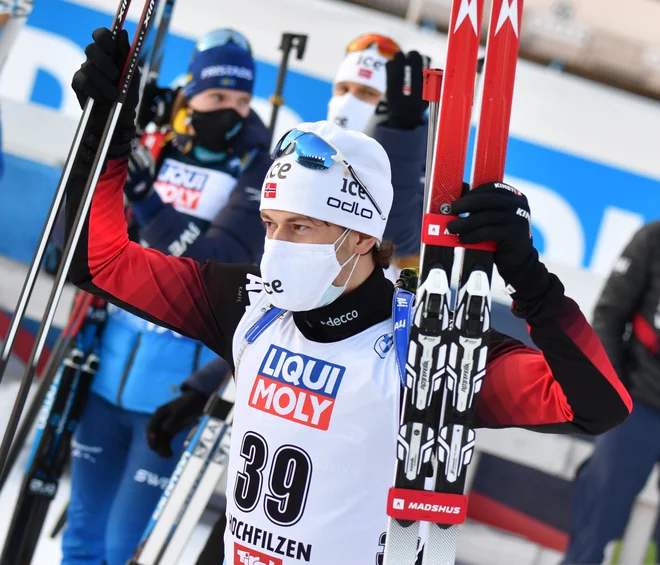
[{"x": 216, "y": 130}]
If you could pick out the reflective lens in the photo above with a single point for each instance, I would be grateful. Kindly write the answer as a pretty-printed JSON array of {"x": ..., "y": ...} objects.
[
  {"x": 222, "y": 37},
  {"x": 313, "y": 152},
  {"x": 386, "y": 47}
]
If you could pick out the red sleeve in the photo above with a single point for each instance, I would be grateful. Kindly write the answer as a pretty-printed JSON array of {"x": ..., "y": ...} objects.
[
  {"x": 568, "y": 386},
  {"x": 171, "y": 291}
]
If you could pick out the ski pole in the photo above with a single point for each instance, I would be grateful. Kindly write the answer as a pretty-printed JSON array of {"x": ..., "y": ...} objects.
[
  {"x": 29, "y": 508},
  {"x": 82, "y": 303},
  {"x": 191, "y": 485},
  {"x": 290, "y": 41},
  {"x": 61, "y": 522},
  {"x": 33, "y": 271},
  {"x": 49, "y": 455},
  {"x": 79, "y": 222},
  {"x": 152, "y": 58},
  {"x": 431, "y": 93}
]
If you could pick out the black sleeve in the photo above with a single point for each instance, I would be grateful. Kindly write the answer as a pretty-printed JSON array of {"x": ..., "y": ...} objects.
[
  {"x": 567, "y": 386},
  {"x": 406, "y": 150},
  {"x": 623, "y": 292},
  {"x": 208, "y": 378}
]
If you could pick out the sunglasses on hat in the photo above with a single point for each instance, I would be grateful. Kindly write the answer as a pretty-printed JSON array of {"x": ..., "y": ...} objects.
[
  {"x": 313, "y": 152},
  {"x": 386, "y": 46},
  {"x": 221, "y": 37}
]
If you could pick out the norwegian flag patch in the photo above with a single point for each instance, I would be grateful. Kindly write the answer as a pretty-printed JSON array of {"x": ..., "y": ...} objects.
[
  {"x": 366, "y": 73},
  {"x": 270, "y": 190}
]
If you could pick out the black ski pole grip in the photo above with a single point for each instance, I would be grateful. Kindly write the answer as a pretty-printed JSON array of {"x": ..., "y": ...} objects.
[{"x": 289, "y": 41}]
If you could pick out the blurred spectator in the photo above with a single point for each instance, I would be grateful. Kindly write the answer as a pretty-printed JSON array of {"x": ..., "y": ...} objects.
[{"x": 627, "y": 321}]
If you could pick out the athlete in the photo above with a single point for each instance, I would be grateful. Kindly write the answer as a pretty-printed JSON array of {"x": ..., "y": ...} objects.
[
  {"x": 316, "y": 412},
  {"x": 378, "y": 90},
  {"x": 194, "y": 183},
  {"x": 373, "y": 70},
  {"x": 218, "y": 145}
]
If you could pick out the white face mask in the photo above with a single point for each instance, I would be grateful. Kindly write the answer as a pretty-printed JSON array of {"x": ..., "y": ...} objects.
[
  {"x": 350, "y": 112},
  {"x": 298, "y": 276}
]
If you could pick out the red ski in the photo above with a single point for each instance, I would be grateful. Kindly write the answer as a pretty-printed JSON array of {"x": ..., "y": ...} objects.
[{"x": 446, "y": 360}]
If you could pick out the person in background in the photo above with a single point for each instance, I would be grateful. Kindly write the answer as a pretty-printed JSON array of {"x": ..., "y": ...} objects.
[
  {"x": 627, "y": 321},
  {"x": 194, "y": 184},
  {"x": 186, "y": 179},
  {"x": 377, "y": 90}
]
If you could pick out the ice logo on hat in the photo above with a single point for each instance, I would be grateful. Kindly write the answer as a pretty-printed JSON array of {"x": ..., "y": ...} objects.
[
  {"x": 367, "y": 67},
  {"x": 355, "y": 202}
]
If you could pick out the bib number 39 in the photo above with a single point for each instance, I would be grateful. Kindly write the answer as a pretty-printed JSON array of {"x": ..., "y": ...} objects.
[{"x": 288, "y": 480}]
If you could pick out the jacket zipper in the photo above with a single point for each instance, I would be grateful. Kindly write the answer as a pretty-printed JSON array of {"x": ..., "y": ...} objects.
[{"x": 127, "y": 369}]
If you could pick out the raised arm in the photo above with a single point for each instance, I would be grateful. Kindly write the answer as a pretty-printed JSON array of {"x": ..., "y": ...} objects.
[
  {"x": 404, "y": 136},
  {"x": 174, "y": 292},
  {"x": 568, "y": 386},
  {"x": 199, "y": 301}
]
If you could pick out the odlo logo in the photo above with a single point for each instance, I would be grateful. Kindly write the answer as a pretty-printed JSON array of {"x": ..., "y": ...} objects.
[
  {"x": 296, "y": 387},
  {"x": 247, "y": 556}
]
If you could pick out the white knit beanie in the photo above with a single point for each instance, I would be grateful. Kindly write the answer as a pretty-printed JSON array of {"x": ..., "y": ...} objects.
[
  {"x": 332, "y": 195},
  {"x": 365, "y": 67}
]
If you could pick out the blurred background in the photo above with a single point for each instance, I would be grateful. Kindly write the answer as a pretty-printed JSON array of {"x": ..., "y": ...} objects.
[
  {"x": 584, "y": 148},
  {"x": 615, "y": 43}
]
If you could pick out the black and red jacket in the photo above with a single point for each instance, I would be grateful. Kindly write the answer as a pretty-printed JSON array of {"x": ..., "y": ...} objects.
[
  {"x": 567, "y": 386},
  {"x": 627, "y": 315}
]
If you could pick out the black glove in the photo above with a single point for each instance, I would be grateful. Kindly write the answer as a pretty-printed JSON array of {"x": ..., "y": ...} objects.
[
  {"x": 172, "y": 418},
  {"x": 98, "y": 78},
  {"x": 141, "y": 174},
  {"x": 500, "y": 213},
  {"x": 156, "y": 105},
  {"x": 405, "y": 79}
]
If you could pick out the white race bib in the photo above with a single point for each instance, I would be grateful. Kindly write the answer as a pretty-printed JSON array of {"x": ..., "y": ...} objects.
[{"x": 313, "y": 446}]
